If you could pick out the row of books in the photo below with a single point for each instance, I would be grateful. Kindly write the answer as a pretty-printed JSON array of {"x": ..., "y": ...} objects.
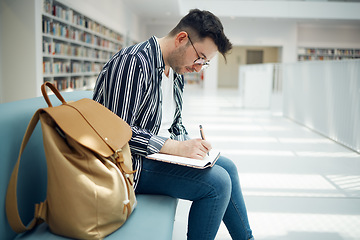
[
  {"x": 57, "y": 29},
  {"x": 70, "y": 67},
  {"x": 328, "y": 51},
  {"x": 77, "y": 67},
  {"x": 63, "y": 13},
  {"x": 86, "y": 67},
  {"x": 77, "y": 83},
  {"x": 92, "y": 67},
  {"x": 61, "y": 84},
  {"x": 56, "y": 67},
  {"x": 316, "y": 51},
  {"x": 59, "y": 48},
  {"x": 347, "y": 52},
  {"x": 309, "y": 57},
  {"x": 72, "y": 17},
  {"x": 74, "y": 83},
  {"x": 92, "y": 39},
  {"x": 92, "y": 53},
  {"x": 61, "y": 30}
]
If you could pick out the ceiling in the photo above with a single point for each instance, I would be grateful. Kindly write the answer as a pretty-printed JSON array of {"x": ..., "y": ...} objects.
[
  {"x": 165, "y": 11},
  {"x": 155, "y": 10}
]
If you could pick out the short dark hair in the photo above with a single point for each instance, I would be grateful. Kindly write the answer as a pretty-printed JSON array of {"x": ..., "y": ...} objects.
[{"x": 201, "y": 24}]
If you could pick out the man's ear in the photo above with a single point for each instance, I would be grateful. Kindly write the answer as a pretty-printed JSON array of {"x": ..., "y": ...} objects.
[{"x": 181, "y": 39}]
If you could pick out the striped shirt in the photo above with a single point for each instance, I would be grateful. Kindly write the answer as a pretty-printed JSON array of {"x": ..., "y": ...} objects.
[{"x": 130, "y": 86}]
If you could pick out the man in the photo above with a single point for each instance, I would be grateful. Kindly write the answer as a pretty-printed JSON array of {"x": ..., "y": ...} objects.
[{"x": 143, "y": 85}]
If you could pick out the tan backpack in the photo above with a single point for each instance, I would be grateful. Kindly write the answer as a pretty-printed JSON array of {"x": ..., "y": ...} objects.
[{"x": 90, "y": 177}]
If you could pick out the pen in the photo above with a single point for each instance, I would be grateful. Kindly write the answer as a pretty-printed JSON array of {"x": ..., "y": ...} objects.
[{"x": 202, "y": 135}]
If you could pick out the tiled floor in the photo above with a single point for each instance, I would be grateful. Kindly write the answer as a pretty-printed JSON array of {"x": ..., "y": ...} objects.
[{"x": 297, "y": 184}]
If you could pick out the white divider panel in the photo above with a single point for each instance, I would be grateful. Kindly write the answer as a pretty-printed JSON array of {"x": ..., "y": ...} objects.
[
  {"x": 255, "y": 85},
  {"x": 325, "y": 96}
]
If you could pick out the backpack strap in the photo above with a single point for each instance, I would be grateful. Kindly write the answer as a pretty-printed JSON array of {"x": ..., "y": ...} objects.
[
  {"x": 12, "y": 211},
  {"x": 54, "y": 90}
]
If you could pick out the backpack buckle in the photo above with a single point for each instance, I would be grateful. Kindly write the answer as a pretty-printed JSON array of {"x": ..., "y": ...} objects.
[{"x": 116, "y": 155}]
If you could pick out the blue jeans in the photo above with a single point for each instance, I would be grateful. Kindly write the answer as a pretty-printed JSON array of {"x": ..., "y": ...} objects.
[{"x": 215, "y": 192}]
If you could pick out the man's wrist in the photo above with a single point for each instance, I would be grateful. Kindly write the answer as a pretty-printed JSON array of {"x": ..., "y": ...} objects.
[{"x": 170, "y": 146}]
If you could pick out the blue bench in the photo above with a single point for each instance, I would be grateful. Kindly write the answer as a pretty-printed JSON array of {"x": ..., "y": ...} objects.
[{"x": 153, "y": 217}]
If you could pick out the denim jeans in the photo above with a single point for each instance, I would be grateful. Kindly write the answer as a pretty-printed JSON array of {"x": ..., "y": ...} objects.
[{"x": 215, "y": 194}]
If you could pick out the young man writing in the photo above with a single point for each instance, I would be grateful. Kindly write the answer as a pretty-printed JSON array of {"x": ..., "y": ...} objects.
[{"x": 143, "y": 84}]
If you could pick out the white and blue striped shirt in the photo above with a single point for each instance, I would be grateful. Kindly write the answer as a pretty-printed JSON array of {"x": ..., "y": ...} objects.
[{"x": 130, "y": 86}]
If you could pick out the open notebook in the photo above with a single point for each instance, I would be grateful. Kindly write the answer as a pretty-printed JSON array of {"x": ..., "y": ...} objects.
[{"x": 208, "y": 161}]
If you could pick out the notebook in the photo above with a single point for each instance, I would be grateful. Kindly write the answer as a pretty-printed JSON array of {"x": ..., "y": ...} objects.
[{"x": 208, "y": 161}]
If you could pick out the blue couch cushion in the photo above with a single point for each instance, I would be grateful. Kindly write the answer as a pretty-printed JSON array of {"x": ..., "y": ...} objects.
[{"x": 152, "y": 219}]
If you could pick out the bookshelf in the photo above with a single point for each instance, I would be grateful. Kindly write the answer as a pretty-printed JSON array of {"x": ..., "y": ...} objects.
[
  {"x": 310, "y": 54},
  {"x": 74, "y": 47}
]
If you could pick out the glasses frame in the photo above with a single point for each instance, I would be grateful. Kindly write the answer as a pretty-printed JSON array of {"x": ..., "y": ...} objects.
[{"x": 200, "y": 60}]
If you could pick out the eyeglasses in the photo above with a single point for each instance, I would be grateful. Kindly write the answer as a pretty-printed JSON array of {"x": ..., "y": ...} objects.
[{"x": 200, "y": 60}]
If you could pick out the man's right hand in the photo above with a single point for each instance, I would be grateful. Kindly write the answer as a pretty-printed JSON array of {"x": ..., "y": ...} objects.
[{"x": 193, "y": 148}]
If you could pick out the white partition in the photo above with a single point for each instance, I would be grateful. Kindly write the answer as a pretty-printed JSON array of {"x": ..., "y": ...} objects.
[
  {"x": 255, "y": 85},
  {"x": 325, "y": 96}
]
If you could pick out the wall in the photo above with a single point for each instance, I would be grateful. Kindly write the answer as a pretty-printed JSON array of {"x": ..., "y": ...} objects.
[
  {"x": 261, "y": 32},
  {"x": 329, "y": 35},
  {"x": 1, "y": 54},
  {"x": 211, "y": 76},
  {"x": 18, "y": 45},
  {"x": 228, "y": 73},
  {"x": 159, "y": 30}
]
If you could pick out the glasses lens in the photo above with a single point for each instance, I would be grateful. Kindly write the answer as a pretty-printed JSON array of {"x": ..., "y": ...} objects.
[
  {"x": 201, "y": 61},
  {"x": 204, "y": 66}
]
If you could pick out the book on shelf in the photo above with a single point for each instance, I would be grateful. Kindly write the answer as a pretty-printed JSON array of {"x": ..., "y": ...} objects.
[
  {"x": 47, "y": 67},
  {"x": 47, "y": 47},
  {"x": 77, "y": 83},
  {"x": 208, "y": 161},
  {"x": 61, "y": 84}
]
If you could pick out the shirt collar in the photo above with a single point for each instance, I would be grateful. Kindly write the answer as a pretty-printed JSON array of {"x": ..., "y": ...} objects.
[{"x": 159, "y": 60}]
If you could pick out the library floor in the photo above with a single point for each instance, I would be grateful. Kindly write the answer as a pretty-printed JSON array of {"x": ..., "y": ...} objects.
[{"x": 297, "y": 184}]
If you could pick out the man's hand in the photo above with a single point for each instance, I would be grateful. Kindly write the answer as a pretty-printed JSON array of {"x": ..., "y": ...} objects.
[{"x": 194, "y": 148}]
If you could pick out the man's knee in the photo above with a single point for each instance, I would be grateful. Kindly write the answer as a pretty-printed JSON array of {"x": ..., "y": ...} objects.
[
  {"x": 221, "y": 182},
  {"x": 229, "y": 166}
]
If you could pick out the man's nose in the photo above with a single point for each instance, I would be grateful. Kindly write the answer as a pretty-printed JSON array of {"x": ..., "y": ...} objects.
[{"x": 197, "y": 67}]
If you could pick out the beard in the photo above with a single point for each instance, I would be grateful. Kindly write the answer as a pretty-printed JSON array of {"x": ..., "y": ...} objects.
[{"x": 176, "y": 60}]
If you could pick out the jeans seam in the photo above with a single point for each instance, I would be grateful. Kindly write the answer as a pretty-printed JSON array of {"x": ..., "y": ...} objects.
[{"x": 239, "y": 214}]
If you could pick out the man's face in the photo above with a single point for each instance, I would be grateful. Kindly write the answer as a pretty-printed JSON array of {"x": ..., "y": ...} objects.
[{"x": 182, "y": 59}]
